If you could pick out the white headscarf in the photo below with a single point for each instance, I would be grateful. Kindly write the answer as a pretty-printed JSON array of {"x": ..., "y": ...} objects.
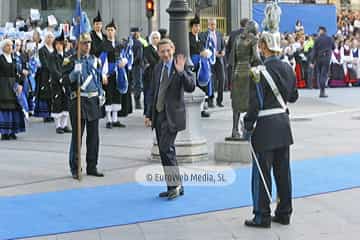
[
  {"x": 3, "y": 43},
  {"x": 152, "y": 34}
]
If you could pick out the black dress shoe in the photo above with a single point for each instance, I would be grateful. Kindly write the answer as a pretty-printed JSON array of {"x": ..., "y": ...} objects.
[
  {"x": 49, "y": 120},
  {"x": 12, "y": 136},
  {"x": 95, "y": 173},
  {"x": 5, "y": 137},
  {"x": 166, "y": 194},
  {"x": 284, "y": 220},
  {"x": 323, "y": 95},
  {"x": 205, "y": 114},
  {"x": 220, "y": 105},
  {"x": 67, "y": 130},
  {"x": 118, "y": 124},
  {"x": 59, "y": 131},
  {"x": 75, "y": 176},
  {"x": 252, "y": 223},
  {"x": 175, "y": 192},
  {"x": 109, "y": 125}
]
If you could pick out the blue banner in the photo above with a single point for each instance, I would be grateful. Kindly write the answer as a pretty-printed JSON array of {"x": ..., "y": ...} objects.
[{"x": 311, "y": 15}]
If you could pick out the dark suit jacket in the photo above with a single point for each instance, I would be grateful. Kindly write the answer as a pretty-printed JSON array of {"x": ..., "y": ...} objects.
[
  {"x": 322, "y": 49},
  {"x": 174, "y": 98},
  {"x": 271, "y": 132}
]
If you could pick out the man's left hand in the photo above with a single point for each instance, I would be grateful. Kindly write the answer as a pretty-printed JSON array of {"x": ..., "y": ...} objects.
[{"x": 180, "y": 61}]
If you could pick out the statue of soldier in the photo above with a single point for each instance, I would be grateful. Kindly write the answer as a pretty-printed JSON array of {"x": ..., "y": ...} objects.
[{"x": 243, "y": 56}]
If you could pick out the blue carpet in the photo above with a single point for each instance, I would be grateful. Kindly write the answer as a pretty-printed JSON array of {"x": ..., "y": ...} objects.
[{"x": 98, "y": 207}]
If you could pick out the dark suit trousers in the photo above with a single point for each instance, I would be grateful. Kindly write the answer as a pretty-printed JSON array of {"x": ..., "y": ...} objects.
[
  {"x": 277, "y": 159},
  {"x": 322, "y": 70},
  {"x": 92, "y": 143},
  {"x": 166, "y": 144},
  {"x": 218, "y": 79}
]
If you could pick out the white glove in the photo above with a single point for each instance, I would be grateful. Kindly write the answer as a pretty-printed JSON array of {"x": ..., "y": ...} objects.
[
  {"x": 77, "y": 68},
  {"x": 102, "y": 99},
  {"x": 206, "y": 53}
]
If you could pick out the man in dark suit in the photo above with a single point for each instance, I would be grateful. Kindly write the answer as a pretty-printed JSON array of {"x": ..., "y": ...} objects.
[
  {"x": 272, "y": 86},
  {"x": 218, "y": 69},
  {"x": 321, "y": 55},
  {"x": 166, "y": 112}
]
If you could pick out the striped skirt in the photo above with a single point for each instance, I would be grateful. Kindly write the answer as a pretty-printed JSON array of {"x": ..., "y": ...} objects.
[
  {"x": 42, "y": 109},
  {"x": 12, "y": 122}
]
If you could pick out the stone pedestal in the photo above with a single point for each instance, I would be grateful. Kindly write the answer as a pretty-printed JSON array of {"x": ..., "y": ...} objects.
[
  {"x": 232, "y": 151},
  {"x": 190, "y": 145}
]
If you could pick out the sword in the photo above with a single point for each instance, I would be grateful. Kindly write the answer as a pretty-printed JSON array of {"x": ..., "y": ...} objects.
[{"x": 252, "y": 151}]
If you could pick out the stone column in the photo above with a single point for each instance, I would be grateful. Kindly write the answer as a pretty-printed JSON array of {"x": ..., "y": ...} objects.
[{"x": 6, "y": 11}]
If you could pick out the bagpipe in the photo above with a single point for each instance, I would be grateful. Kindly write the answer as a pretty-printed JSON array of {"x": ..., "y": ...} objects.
[
  {"x": 22, "y": 98},
  {"x": 204, "y": 63},
  {"x": 127, "y": 55},
  {"x": 33, "y": 65}
]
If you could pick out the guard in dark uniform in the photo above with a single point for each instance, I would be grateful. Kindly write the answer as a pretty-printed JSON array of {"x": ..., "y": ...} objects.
[
  {"x": 97, "y": 36},
  {"x": 273, "y": 85},
  {"x": 197, "y": 48},
  {"x": 59, "y": 107},
  {"x": 321, "y": 56},
  {"x": 112, "y": 48},
  {"x": 91, "y": 101}
]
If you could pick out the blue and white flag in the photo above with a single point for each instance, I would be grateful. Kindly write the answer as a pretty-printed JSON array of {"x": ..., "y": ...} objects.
[
  {"x": 81, "y": 23},
  {"x": 128, "y": 53},
  {"x": 22, "y": 100},
  {"x": 204, "y": 73},
  {"x": 33, "y": 65}
]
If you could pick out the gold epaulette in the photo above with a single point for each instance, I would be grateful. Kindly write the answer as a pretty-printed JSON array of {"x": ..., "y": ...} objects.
[
  {"x": 255, "y": 73},
  {"x": 66, "y": 61}
]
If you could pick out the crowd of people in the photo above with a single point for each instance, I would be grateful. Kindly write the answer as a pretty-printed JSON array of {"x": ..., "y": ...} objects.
[
  {"x": 48, "y": 74},
  {"x": 41, "y": 58},
  {"x": 42, "y": 64},
  {"x": 345, "y": 62}
]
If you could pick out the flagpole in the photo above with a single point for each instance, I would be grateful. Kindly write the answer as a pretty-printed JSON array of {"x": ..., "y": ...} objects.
[
  {"x": 78, "y": 106},
  {"x": 78, "y": 120}
]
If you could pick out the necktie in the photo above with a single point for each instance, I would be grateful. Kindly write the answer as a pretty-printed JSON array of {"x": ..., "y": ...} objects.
[
  {"x": 215, "y": 39},
  {"x": 164, "y": 83}
]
